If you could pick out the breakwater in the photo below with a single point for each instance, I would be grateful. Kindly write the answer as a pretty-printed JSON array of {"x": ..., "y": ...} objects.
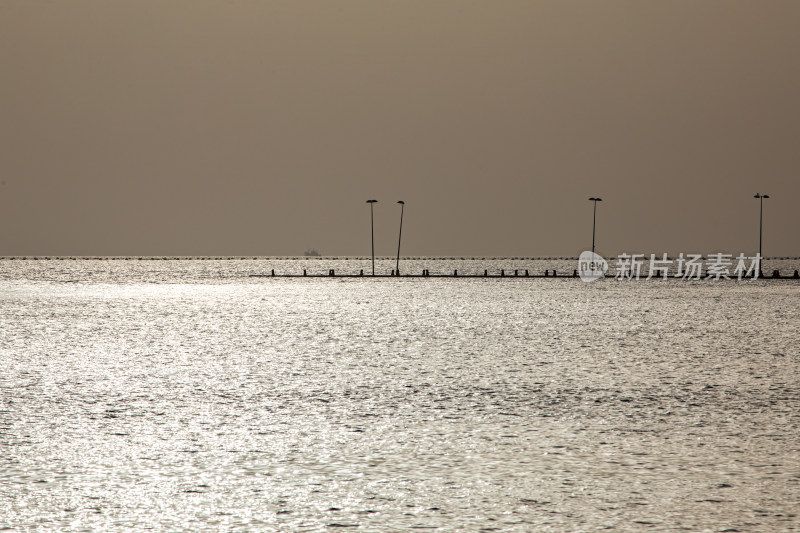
[{"x": 516, "y": 274}]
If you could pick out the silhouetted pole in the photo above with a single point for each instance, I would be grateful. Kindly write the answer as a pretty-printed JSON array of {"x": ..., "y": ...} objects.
[
  {"x": 594, "y": 222},
  {"x": 760, "y": 225},
  {"x": 372, "y": 225},
  {"x": 400, "y": 236}
]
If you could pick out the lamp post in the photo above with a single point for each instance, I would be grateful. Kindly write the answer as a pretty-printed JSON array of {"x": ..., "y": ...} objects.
[
  {"x": 400, "y": 236},
  {"x": 594, "y": 221},
  {"x": 760, "y": 225},
  {"x": 372, "y": 225}
]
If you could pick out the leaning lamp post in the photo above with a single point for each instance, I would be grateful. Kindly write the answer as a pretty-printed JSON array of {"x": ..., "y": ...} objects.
[{"x": 399, "y": 236}]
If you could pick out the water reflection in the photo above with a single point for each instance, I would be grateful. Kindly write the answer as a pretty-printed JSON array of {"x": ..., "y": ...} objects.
[{"x": 312, "y": 404}]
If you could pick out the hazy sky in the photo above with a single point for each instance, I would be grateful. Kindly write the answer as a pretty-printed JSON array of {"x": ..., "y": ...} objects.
[{"x": 262, "y": 127}]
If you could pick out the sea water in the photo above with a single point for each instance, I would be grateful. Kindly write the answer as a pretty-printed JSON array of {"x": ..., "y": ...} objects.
[{"x": 187, "y": 396}]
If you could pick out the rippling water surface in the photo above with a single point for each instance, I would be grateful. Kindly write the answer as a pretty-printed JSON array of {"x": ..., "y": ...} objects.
[{"x": 187, "y": 396}]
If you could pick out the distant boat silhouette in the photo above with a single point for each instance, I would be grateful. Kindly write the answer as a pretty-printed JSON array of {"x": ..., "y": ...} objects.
[{"x": 311, "y": 253}]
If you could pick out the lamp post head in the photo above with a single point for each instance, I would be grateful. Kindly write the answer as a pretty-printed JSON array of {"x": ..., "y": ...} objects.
[
  {"x": 761, "y": 195},
  {"x": 401, "y": 202},
  {"x": 372, "y": 201},
  {"x": 595, "y": 199}
]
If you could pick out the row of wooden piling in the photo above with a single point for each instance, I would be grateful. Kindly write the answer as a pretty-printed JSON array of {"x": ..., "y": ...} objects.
[{"x": 518, "y": 273}]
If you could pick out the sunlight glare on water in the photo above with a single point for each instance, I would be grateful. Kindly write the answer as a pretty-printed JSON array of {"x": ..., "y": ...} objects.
[{"x": 266, "y": 404}]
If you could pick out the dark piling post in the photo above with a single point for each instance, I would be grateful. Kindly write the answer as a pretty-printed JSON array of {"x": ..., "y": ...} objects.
[
  {"x": 554, "y": 273},
  {"x": 526, "y": 272},
  {"x": 796, "y": 274},
  {"x": 574, "y": 273},
  {"x": 776, "y": 273},
  {"x": 304, "y": 271},
  {"x": 516, "y": 273},
  {"x": 273, "y": 272},
  {"x": 330, "y": 272},
  {"x": 361, "y": 273},
  {"x": 455, "y": 273},
  {"x": 502, "y": 273},
  {"x": 486, "y": 273},
  {"x": 546, "y": 273}
]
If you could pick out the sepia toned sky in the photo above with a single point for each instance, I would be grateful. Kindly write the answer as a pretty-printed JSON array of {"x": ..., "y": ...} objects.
[{"x": 167, "y": 127}]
